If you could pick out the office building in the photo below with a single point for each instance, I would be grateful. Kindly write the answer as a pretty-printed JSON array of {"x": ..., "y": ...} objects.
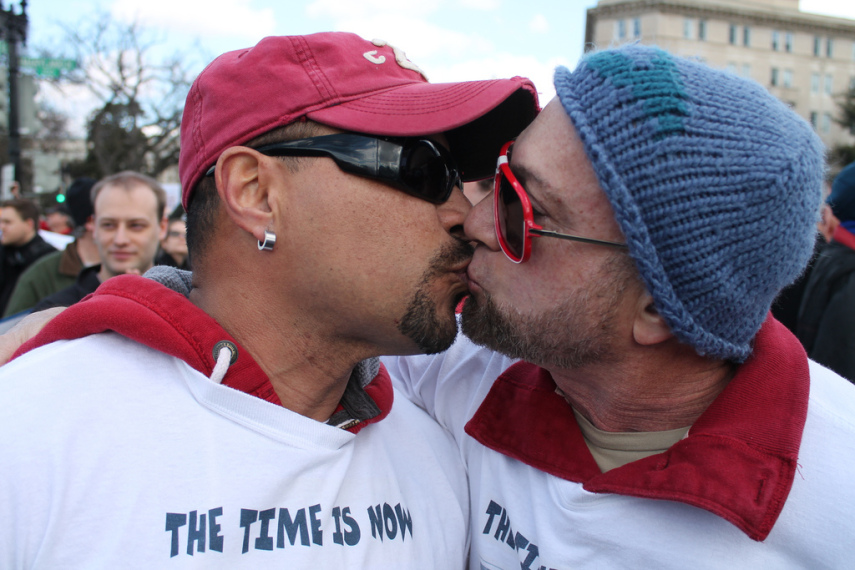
[{"x": 806, "y": 60}]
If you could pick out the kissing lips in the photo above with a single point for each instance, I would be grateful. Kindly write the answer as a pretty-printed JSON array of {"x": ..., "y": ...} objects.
[{"x": 474, "y": 286}]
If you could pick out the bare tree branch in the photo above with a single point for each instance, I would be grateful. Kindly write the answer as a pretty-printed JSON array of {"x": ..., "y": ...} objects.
[{"x": 142, "y": 94}]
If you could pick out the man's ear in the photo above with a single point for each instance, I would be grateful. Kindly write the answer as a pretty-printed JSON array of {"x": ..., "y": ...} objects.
[
  {"x": 243, "y": 176},
  {"x": 164, "y": 226},
  {"x": 649, "y": 327}
]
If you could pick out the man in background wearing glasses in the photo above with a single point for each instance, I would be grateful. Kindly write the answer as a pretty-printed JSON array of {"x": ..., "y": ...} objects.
[
  {"x": 250, "y": 423},
  {"x": 642, "y": 408}
]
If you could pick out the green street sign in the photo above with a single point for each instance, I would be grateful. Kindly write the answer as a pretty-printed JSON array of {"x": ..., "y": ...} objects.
[
  {"x": 42, "y": 66},
  {"x": 48, "y": 67}
]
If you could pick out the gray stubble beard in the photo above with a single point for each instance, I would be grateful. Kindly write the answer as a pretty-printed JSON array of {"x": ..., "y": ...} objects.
[{"x": 573, "y": 334}]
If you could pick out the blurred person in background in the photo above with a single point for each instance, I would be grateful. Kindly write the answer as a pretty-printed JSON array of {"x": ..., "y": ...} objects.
[
  {"x": 826, "y": 324},
  {"x": 828, "y": 223},
  {"x": 127, "y": 227},
  {"x": 58, "y": 270},
  {"x": 58, "y": 220},
  {"x": 20, "y": 244},
  {"x": 173, "y": 247}
]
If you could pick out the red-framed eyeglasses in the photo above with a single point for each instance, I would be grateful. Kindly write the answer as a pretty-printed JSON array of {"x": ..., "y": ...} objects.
[{"x": 514, "y": 217}]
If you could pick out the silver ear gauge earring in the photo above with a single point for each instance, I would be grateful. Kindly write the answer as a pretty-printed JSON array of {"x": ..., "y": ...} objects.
[{"x": 269, "y": 241}]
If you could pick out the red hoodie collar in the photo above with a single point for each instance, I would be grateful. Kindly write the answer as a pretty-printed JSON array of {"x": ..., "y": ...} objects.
[
  {"x": 738, "y": 460},
  {"x": 165, "y": 320}
]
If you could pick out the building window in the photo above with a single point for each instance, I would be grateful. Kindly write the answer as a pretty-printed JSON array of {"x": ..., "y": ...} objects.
[
  {"x": 813, "y": 119},
  {"x": 788, "y": 42},
  {"x": 788, "y": 78},
  {"x": 732, "y": 35},
  {"x": 829, "y": 47},
  {"x": 776, "y": 40},
  {"x": 687, "y": 28},
  {"x": 826, "y": 122},
  {"x": 852, "y": 84},
  {"x": 774, "y": 79},
  {"x": 702, "y": 30},
  {"x": 746, "y": 70},
  {"x": 817, "y": 43},
  {"x": 636, "y": 27},
  {"x": 746, "y": 36},
  {"x": 829, "y": 84},
  {"x": 731, "y": 68},
  {"x": 814, "y": 83},
  {"x": 620, "y": 29}
]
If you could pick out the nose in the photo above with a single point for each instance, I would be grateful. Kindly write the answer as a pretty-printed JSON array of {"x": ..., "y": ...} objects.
[
  {"x": 479, "y": 225},
  {"x": 121, "y": 235},
  {"x": 453, "y": 212}
]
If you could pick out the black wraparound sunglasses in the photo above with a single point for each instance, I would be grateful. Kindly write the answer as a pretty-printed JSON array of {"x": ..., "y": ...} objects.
[{"x": 420, "y": 167}]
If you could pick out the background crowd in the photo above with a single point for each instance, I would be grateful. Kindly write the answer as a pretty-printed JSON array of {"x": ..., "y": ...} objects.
[
  {"x": 820, "y": 305},
  {"x": 39, "y": 271}
]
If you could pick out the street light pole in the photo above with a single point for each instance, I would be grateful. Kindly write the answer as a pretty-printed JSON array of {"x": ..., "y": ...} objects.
[{"x": 13, "y": 29}]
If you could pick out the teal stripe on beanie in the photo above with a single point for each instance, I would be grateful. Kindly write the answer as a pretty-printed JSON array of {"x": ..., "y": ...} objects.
[
  {"x": 657, "y": 87},
  {"x": 716, "y": 186}
]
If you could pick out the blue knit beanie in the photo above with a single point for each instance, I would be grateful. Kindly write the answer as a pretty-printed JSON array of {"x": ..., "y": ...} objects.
[
  {"x": 716, "y": 186},
  {"x": 842, "y": 197}
]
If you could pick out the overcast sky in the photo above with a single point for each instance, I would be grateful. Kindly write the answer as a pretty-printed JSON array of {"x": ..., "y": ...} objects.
[{"x": 450, "y": 39}]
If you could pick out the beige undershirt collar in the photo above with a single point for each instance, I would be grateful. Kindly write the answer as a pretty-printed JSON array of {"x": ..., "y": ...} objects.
[{"x": 614, "y": 449}]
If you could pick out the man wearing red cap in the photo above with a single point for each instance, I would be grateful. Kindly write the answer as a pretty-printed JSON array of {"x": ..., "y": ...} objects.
[{"x": 250, "y": 423}]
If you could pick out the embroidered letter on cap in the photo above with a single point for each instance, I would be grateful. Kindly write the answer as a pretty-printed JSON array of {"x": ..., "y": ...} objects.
[
  {"x": 372, "y": 57},
  {"x": 400, "y": 58}
]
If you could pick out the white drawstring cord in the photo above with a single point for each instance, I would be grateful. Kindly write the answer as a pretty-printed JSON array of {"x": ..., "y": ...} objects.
[{"x": 223, "y": 361}]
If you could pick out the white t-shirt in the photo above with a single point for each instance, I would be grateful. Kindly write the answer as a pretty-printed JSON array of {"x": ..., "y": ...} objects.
[
  {"x": 762, "y": 480},
  {"x": 116, "y": 455}
]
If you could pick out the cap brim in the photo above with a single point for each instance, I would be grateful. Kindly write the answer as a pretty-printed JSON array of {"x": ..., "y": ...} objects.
[{"x": 477, "y": 117}]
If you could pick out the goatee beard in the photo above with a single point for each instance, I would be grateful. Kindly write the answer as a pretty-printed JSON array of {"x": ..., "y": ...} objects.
[{"x": 422, "y": 323}]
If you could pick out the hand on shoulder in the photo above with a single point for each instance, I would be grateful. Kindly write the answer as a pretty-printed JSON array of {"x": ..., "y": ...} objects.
[{"x": 24, "y": 330}]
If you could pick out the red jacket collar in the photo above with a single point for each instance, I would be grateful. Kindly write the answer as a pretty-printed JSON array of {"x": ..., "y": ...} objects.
[
  {"x": 844, "y": 236},
  {"x": 165, "y": 320},
  {"x": 738, "y": 460}
]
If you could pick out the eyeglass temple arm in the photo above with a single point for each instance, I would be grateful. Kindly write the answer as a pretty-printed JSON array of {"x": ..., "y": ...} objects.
[{"x": 577, "y": 238}]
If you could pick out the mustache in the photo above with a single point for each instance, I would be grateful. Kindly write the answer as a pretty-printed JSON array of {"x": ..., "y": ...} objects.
[{"x": 450, "y": 256}]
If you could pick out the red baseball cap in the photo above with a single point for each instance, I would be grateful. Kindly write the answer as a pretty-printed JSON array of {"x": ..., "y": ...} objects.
[{"x": 343, "y": 81}]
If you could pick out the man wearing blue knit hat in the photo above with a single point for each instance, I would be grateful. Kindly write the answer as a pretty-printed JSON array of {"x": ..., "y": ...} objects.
[
  {"x": 826, "y": 324},
  {"x": 633, "y": 404}
]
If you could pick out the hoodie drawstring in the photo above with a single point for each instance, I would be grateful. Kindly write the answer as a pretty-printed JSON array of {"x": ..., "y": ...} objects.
[{"x": 224, "y": 359}]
